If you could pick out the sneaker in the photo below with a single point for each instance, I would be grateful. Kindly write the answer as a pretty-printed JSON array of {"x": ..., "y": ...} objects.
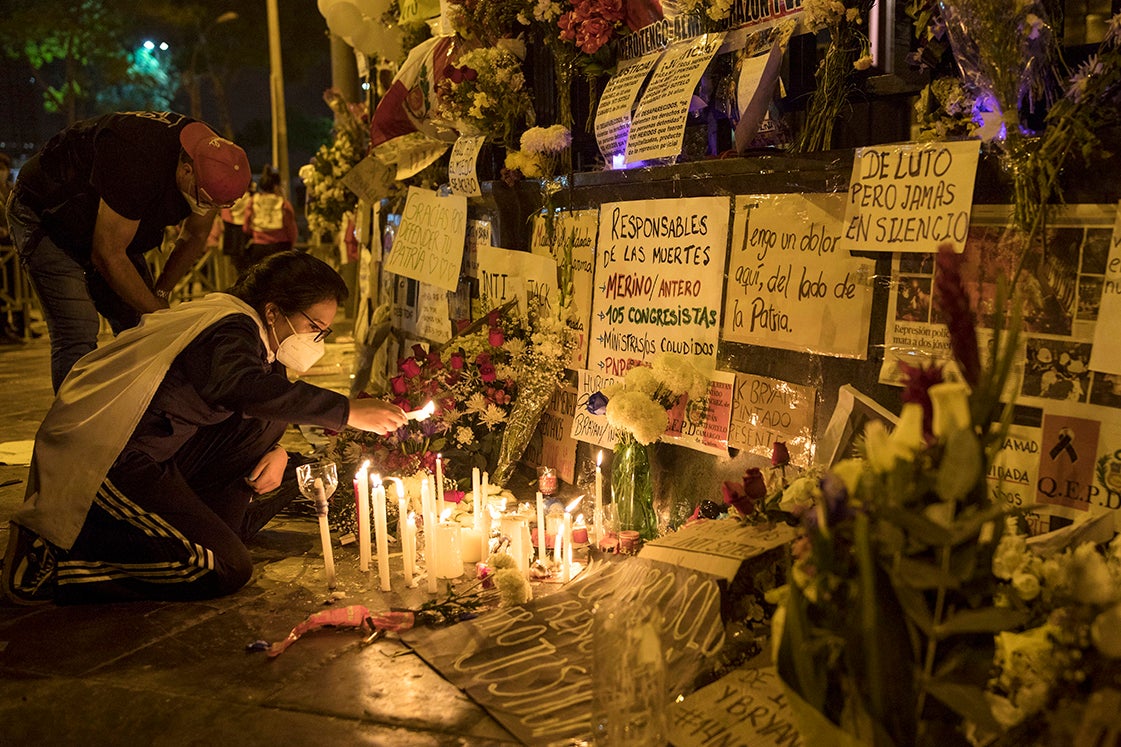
[{"x": 30, "y": 568}]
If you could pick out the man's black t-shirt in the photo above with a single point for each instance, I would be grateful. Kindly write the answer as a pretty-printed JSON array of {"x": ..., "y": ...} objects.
[{"x": 127, "y": 159}]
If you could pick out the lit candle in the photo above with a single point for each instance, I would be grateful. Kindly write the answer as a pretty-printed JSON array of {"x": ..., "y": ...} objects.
[
  {"x": 439, "y": 482},
  {"x": 511, "y": 526},
  {"x": 403, "y": 517},
  {"x": 597, "y": 514},
  {"x": 558, "y": 545},
  {"x": 488, "y": 519},
  {"x": 428, "y": 504},
  {"x": 540, "y": 527},
  {"x": 470, "y": 545},
  {"x": 408, "y": 548},
  {"x": 325, "y": 532},
  {"x": 579, "y": 531},
  {"x": 381, "y": 525},
  {"x": 447, "y": 538},
  {"x": 363, "y": 481},
  {"x": 566, "y": 567},
  {"x": 423, "y": 413}
]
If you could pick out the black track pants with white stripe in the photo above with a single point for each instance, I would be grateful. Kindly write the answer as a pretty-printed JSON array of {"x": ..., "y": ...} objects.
[{"x": 170, "y": 530}]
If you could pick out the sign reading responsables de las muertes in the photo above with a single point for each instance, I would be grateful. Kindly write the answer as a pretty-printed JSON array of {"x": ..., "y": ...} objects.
[
  {"x": 910, "y": 197},
  {"x": 430, "y": 239}
]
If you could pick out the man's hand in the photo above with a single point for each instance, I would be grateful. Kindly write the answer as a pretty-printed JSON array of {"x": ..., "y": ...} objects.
[
  {"x": 269, "y": 472},
  {"x": 375, "y": 415}
]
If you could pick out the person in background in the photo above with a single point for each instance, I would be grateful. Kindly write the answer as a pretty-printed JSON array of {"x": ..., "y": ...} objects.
[
  {"x": 270, "y": 219},
  {"x": 9, "y": 333},
  {"x": 96, "y": 198},
  {"x": 234, "y": 238},
  {"x": 146, "y": 466}
]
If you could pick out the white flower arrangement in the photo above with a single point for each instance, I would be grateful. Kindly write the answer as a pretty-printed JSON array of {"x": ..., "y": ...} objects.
[{"x": 638, "y": 405}]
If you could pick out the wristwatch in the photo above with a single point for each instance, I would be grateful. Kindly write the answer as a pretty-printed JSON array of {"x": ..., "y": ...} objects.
[{"x": 161, "y": 294}]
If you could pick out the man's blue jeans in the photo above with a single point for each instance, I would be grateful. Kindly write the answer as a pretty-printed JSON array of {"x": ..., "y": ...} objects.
[{"x": 71, "y": 296}]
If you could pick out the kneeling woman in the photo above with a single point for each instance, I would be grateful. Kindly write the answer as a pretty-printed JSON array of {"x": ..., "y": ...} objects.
[{"x": 148, "y": 460}]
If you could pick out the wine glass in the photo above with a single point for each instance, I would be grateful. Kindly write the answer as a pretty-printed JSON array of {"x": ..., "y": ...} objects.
[{"x": 326, "y": 474}]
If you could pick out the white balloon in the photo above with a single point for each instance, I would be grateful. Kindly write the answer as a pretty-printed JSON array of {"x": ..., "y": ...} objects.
[
  {"x": 344, "y": 18},
  {"x": 325, "y": 5},
  {"x": 376, "y": 38},
  {"x": 372, "y": 8}
]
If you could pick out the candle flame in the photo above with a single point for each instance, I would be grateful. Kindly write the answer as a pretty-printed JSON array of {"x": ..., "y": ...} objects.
[
  {"x": 400, "y": 486},
  {"x": 575, "y": 502},
  {"x": 376, "y": 481},
  {"x": 599, "y": 458},
  {"x": 411, "y": 518},
  {"x": 579, "y": 519},
  {"x": 446, "y": 514},
  {"x": 423, "y": 413}
]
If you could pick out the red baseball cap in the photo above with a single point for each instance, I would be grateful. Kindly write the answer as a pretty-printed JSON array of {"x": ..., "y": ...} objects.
[{"x": 221, "y": 165}]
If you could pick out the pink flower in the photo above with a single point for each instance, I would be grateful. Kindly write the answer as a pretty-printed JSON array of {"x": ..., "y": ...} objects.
[
  {"x": 456, "y": 361},
  {"x": 594, "y": 33},
  {"x": 399, "y": 385},
  {"x": 779, "y": 454},
  {"x": 453, "y": 496},
  {"x": 486, "y": 372},
  {"x": 734, "y": 497},
  {"x": 496, "y": 337}
]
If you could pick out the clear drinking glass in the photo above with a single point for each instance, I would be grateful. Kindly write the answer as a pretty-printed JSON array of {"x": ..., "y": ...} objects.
[{"x": 325, "y": 473}]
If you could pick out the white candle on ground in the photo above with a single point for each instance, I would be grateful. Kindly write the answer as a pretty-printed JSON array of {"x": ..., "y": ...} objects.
[
  {"x": 470, "y": 546},
  {"x": 325, "y": 532},
  {"x": 363, "y": 477},
  {"x": 540, "y": 527},
  {"x": 431, "y": 552},
  {"x": 381, "y": 525},
  {"x": 408, "y": 548},
  {"x": 439, "y": 482},
  {"x": 566, "y": 568},
  {"x": 402, "y": 515},
  {"x": 597, "y": 513},
  {"x": 447, "y": 538},
  {"x": 488, "y": 520}
]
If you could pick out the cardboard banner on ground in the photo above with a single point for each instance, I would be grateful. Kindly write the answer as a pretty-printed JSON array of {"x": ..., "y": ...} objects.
[
  {"x": 717, "y": 547},
  {"x": 910, "y": 197},
  {"x": 613, "y": 115},
  {"x": 745, "y": 708},
  {"x": 531, "y": 666},
  {"x": 789, "y": 286},
  {"x": 429, "y": 242},
  {"x": 659, "y": 271},
  {"x": 658, "y": 128}
]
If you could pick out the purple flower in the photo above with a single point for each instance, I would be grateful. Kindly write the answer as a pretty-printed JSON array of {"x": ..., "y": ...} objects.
[{"x": 597, "y": 403}]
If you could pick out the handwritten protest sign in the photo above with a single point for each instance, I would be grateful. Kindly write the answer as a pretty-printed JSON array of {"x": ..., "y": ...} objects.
[
  {"x": 703, "y": 425},
  {"x": 789, "y": 286},
  {"x": 412, "y": 153},
  {"x": 575, "y": 230},
  {"x": 659, "y": 269},
  {"x": 429, "y": 241},
  {"x": 553, "y": 444},
  {"x": 586, "y": 426},
  {"x": 433, "y": 318},
  {"x": 766, "y": 410},
  {"x": 613, "y": 115},
  {"x": 910, "y": 197},
  {"x": 506, "y": 274},
  {"x": 531, "y": 666},
  {"x": 371, "y": 179},
  {"x": 463, "y": 178},
  {"x": 717, "y": 547},
  {"x": 1106, "y": 354},
  {"x": 659, "y": 123},
  {"x": 745, "y": 708}
]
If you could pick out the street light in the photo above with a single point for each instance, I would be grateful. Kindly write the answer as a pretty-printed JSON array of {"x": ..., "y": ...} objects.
[{"x": 193, "y": 88}]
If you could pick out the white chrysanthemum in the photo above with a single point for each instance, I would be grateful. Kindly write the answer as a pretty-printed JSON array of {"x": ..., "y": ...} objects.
[
  {"x": 638, "y": 415},
  {"x": 1089, "y": 577},
  {"x": 513, "y": 587},
  {"x": 492, "y": 416},
  {"x": 515, "y": 346},
  {"x": 552, "y": 139},
  {"x": 1010, "y": 556},
  {"x": 464, "y": 435},
  {"x": 476, "y": 403}
]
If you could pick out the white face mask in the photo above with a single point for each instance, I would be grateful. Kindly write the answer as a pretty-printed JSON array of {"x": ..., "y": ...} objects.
[
  {"x": 299, "y": 351},
  {"x": 196, "y": 207}
]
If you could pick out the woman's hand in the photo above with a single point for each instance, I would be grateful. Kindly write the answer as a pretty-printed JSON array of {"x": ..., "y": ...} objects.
[
  {"x": 377, "y": 415},
  {"x": 269, "y": 472}
]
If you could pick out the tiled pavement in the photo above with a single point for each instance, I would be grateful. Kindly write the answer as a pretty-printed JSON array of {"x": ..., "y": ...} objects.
[{"x": 179, "y": 673}]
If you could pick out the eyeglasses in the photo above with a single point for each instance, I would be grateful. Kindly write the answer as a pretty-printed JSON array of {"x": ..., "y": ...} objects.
[{"x": 321, "y": 333}]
